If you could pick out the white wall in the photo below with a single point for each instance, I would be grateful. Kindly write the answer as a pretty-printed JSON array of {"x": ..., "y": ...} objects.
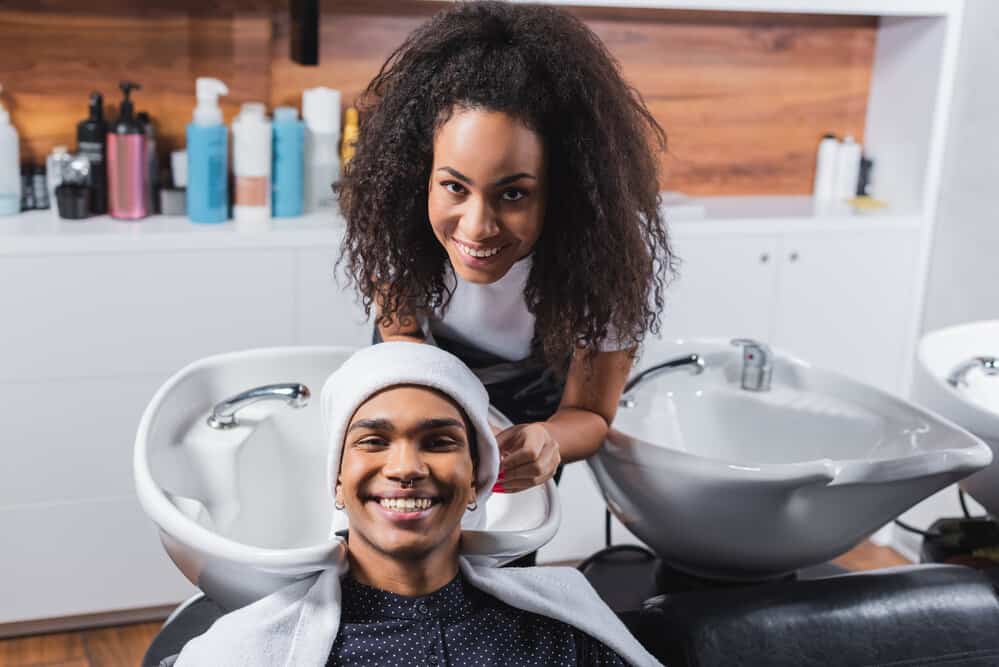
[{"x": 963, "y": 282}]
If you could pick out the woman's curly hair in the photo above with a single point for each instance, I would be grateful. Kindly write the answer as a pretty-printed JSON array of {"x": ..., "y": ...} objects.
[{"x": 603, "y": 260}]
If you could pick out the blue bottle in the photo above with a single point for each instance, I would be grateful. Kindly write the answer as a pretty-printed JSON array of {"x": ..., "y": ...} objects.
[
  {"x": 208, "y": 156},
  {"x": 289, "y": 163}
]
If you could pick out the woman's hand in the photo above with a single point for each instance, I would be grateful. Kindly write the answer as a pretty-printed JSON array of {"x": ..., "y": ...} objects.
[{"x": 529, "y": 456}]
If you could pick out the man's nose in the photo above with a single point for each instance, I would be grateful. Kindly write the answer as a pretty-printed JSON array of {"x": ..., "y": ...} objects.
[
  {"x": 479, "y": 220},
  {"x": 405, "y": 463}
]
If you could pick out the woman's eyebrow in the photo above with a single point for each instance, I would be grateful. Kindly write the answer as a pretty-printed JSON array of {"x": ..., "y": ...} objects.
[
  {"x": 373, "y": 424},
  {"x": 457, "y": 174}
]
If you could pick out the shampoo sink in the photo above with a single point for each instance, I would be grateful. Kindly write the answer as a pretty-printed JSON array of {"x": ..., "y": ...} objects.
[
  {"x": 244, "y": 511},
  {"x": 972, "y": 402},
  {"x": 731, "y": 484}
]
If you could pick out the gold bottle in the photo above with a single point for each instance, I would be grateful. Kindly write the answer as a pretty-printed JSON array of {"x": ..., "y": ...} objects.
[{"x": 351, "y": 131}]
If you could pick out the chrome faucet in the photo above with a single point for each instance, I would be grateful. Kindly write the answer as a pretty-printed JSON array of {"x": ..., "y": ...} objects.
[
  {"x": 224, "y": 414},
  {"x": 959, "y": 376},
  {"x": 757, "y": 371},
  {"x": 692, "y": 363}
]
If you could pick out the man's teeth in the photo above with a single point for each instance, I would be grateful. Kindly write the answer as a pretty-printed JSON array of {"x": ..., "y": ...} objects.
[
  {"x": 406, "y": 504},
  {"x": 477, "y": 253}
]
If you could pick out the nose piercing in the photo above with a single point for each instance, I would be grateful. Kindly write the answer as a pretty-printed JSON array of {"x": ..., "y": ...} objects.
[{"x": 407, "y": 483}]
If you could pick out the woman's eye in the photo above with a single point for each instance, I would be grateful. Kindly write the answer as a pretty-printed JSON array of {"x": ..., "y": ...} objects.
[
  {"x": 513, "y": 194},
  {"x": 454, "y": 188}
]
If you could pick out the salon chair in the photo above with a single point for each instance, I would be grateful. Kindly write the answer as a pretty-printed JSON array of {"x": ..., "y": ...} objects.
[{"x": 823, "y": 616}]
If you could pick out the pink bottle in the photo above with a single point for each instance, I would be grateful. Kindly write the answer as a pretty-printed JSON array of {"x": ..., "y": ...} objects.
[{"x": 127, "y": 163}]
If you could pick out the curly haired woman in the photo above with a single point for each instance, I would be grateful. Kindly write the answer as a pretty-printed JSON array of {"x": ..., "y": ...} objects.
[{"x": 503, "y": 204}]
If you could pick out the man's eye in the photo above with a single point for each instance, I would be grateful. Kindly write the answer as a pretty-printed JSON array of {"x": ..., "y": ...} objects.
[
  {"x": 371, "y": 442},
  {"x": 513, "y": 194},
  {"x": 443, "y": 443},
  {"x": 454, "y": 188}
]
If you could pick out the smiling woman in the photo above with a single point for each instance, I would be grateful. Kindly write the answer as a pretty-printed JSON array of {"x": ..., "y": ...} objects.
[{"x": 503, "y": 204}]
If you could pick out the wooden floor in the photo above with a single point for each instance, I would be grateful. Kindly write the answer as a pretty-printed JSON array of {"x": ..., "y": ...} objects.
[{"x": 124, "y": 645}]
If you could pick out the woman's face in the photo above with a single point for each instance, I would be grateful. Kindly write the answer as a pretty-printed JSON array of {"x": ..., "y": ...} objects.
[
  {"x": 487, "y": 192},
  {"x": 406, "y": 476}
]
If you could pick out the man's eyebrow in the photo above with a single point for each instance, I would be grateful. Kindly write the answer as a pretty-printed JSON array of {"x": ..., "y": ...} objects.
[
  {"x": 441, "y": 422},
  {"x": 373, "y": 424}
]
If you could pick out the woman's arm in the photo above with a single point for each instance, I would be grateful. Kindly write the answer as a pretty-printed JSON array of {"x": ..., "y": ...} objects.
[{"x": 531, "y": 452}]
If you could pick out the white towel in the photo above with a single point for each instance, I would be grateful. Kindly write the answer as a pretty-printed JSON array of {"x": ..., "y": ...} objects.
[{"x": 296, "y": 626}]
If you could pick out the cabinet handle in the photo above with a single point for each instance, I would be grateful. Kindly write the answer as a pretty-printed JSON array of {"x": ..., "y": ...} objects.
[
  {"x": 764, "y": 258},
  {"x": 793, "y": 256}
]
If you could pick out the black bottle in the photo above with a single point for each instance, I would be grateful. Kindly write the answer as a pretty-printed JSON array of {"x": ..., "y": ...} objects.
[{"x": 91, "y": 141}]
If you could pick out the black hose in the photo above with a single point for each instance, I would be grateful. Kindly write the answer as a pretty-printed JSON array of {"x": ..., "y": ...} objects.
[
  {"x": 964, "y": 503},
  {"x": 913, "y": 529}
]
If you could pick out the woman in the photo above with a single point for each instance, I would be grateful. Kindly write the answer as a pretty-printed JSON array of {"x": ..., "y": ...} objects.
[{"x": 503, "y": 205}]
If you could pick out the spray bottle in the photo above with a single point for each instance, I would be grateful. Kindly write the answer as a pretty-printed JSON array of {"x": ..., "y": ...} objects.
[
  {"x": 208, "y": 156},
  {"x": 128, "y": 161},
  {"x": 10, "y": 165}
]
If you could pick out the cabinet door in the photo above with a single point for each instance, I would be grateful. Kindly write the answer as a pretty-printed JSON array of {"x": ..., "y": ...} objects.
[
  {"x": 329, "y": 312},
  {"x": 725, "y": 288},
  {"x": 845, "y": 302}
]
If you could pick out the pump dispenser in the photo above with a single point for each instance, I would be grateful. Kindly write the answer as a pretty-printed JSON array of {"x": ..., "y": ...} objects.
[
  {"x": 207, "y": 156},
  {"x": 10, "y": 165},
  {"x": 91, "y": 142},
  {"x": 128, "y": 158}
]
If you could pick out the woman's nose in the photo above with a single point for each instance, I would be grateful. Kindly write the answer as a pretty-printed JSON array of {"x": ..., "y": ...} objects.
[
  {"x": 405, "y": 463},
  {"x": 479, "y": 220}
]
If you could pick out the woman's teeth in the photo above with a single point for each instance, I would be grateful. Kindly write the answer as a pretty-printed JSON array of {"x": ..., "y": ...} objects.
[
  {"x": 472, "y": 252},
  {"x": 406, "y": 504}
]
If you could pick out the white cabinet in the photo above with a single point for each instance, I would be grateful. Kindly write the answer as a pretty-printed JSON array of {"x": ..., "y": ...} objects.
[
  {"x": 725, "y": 287},
  {"x": 845, "y": 302},
  {"x": 839, "y": 300},
  {"x": 329, "y": 312}
]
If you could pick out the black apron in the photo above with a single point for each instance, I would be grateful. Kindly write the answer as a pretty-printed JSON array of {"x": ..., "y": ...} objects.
[{"x": 524, "y": 391}]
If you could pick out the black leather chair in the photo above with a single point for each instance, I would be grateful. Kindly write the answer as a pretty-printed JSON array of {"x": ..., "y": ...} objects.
[{"x": 913, "y": 615}]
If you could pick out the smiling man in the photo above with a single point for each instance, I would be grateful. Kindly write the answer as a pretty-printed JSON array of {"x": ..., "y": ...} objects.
[
  {"x": 406, "y": 479},
  {"x": 412, "y": 459}
]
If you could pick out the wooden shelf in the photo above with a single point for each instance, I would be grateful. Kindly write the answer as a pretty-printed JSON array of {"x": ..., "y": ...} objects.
[{"x": 854, "y": 7}]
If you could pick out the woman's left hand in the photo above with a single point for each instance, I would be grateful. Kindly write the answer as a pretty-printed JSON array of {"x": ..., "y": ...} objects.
[{"x": 529, "y": 456}]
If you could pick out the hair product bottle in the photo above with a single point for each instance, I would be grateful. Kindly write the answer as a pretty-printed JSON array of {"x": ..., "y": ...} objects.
[
  {"x": 208, "y": 156},
  {"x": 825, "y": 168},
  {"x": 128, "y": 162},
  {"x": 321, "y": 111},
  {"x": 847, "y": 169},
  {"x": 152, "y": 163},
  {"x": 10, "y": 165},
  {"x": 55, "y": 165},
  {"x": 289, "y": 143},
  {"x": 91, "y": 142},
  {"x": 251, "y": 157},
  {"x": 351, "y": 131}
]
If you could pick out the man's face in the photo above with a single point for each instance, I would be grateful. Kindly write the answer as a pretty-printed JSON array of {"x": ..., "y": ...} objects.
[{"x": 406, "y": 475}]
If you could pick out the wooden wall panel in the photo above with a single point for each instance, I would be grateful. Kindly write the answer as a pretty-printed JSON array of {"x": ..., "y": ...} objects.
[{"x": 744, "y": 98}]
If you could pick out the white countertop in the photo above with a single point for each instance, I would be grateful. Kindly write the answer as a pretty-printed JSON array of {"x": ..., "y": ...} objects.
[{"x": 43, "y": 232}]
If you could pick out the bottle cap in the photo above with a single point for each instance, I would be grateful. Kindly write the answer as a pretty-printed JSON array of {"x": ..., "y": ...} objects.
[
  {"x": 321, "y": 110},
  {"x": 285, "y": 114},
  {"x": 208, "y": 91}
]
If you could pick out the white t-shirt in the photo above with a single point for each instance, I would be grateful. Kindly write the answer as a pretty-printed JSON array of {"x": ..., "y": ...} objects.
[{"x": 493, "y": 317}]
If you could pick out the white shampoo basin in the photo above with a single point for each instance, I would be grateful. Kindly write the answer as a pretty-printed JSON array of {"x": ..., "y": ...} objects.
[
  {"x": 245, "y": 511},
  {"x": 973, "y": 404},
  {"x": 731, "y": 484}
]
